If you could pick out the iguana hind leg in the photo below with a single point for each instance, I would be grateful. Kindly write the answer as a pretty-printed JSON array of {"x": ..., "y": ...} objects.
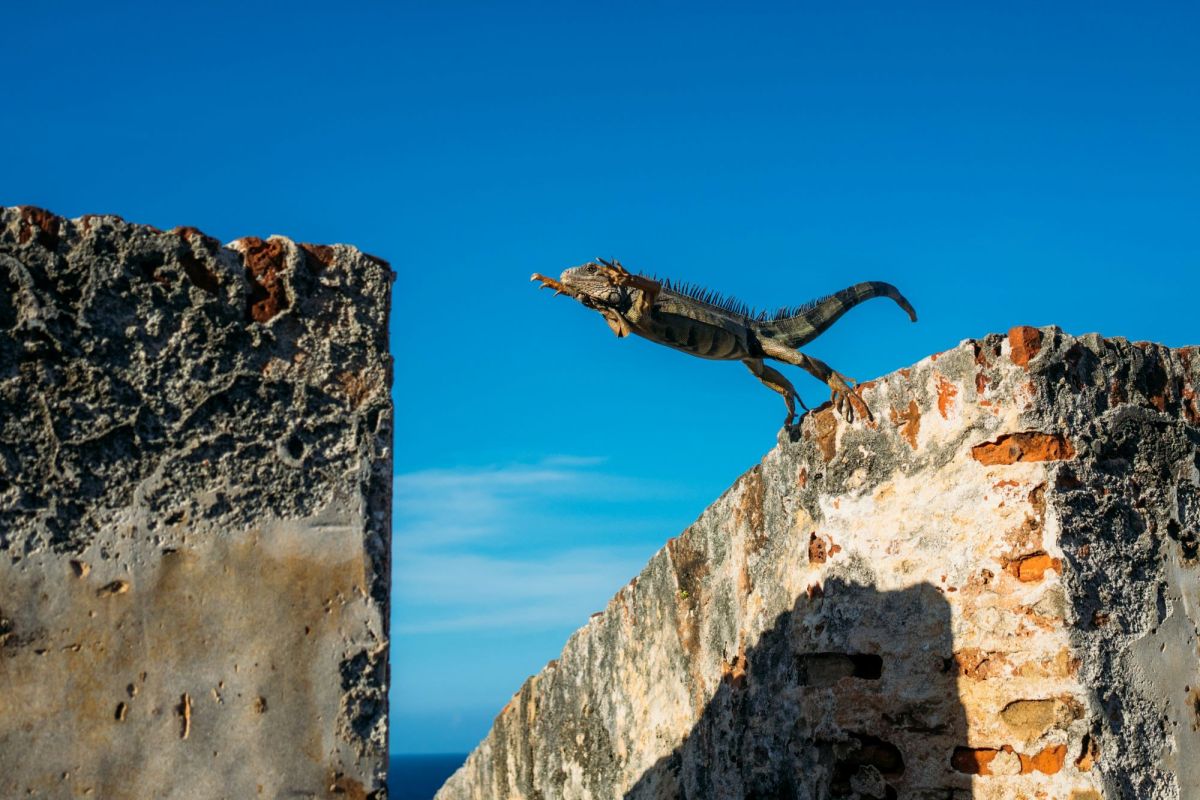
[
  {"x": 845, "y": 398},
  {"x": 773, "y": 379}
]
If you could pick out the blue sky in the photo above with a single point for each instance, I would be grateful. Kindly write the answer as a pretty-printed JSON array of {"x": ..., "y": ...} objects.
[{"x": 1001, "y": 163}]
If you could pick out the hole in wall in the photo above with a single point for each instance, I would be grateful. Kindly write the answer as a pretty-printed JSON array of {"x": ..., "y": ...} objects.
[{"x": 822, "y": 669}]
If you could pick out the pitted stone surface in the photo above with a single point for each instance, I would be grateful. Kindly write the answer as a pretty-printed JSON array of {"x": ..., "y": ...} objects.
[
  {"x": 993, "y": 592},
  {"x": 195, "y": 462}
]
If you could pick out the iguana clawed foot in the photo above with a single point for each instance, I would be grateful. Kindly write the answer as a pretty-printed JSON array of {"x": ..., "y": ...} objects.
[
  {"x": 549, "y": 283},
  {"x": 793, "y": 420},
  {"x": 846, "y": 399}
]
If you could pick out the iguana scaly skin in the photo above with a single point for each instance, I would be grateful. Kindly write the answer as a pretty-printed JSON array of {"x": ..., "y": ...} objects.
[{"x": 706, "y": 325}]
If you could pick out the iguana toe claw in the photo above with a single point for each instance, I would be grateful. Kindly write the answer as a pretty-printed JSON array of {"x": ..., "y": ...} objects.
[
  {"x": 859, "y": 407},
  {"x": 549, "y": 283},
  {"x": 849, "y": 404}
]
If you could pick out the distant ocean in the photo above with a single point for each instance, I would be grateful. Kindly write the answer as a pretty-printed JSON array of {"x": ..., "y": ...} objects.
[{"x": 418, "y": 777}]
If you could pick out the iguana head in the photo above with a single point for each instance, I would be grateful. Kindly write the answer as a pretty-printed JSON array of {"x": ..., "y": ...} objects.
[
  {"x": 590, "y": 284},
  {"x": 591, "y": 281},
  {"x": 600, "y": 286}
]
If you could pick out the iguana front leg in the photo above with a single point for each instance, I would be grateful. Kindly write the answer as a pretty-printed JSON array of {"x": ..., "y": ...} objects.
[
  {"x": 620, "y": 326},
  {"x": 619, "y": 276},
  {"x": 550, "y": 283}
]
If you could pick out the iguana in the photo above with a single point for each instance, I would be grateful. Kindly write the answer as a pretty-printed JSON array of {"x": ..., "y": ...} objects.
[{"x": 707, "y": 325}]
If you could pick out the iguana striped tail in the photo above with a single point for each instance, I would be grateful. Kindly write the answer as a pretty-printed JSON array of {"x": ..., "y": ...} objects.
[{"x": 800, "y": 329}]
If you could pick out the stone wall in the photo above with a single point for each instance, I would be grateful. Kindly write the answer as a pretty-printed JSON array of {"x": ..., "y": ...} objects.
[
  {"x": 195, "y": 473},
  {"x": 992, "y": 592}
]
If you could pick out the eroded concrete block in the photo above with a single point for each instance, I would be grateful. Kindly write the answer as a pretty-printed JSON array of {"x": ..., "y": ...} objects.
[
  {"x": 195, "y": 473},
  {"x": 993, "y": 592}
]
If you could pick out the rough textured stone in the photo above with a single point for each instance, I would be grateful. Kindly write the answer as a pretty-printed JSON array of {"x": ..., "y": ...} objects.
[
  {"x": 991, "y": 593},
  {"x": 195, "y": 473}
]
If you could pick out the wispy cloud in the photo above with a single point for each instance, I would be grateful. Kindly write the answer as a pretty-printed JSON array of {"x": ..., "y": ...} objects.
[
  {"x": 460, "y": 593},
  {"x": 573, "y": 461},
  {"x": 532, "y": 545}
]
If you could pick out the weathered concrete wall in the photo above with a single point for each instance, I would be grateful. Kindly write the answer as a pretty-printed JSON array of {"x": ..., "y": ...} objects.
[
  {"x": 195, "y": 472},
  {"x": 991, "y": 593}
]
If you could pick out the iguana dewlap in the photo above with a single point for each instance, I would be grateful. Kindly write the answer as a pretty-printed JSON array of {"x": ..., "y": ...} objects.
[{"x": 703, "y": 324}]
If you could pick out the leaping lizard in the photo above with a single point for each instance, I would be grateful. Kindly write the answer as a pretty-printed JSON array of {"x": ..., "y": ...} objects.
[{"x": 704, "y": 324}]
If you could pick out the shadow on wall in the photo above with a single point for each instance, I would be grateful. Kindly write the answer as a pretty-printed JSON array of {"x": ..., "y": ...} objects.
[{"x": 851, "y": 694}]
